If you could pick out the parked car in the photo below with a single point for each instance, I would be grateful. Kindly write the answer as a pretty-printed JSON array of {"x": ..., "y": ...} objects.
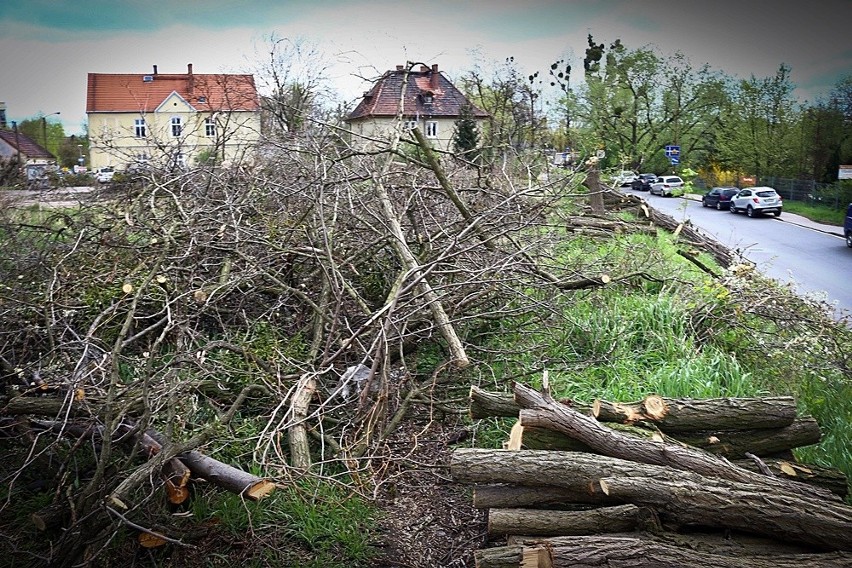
[
  {"x": 719, "y": 197},
  {"x": 104, "y": 175},
  {"x": 757, "y": 201},
  {"x": 847, "y": 226},
  {"x": 666, "y": 185},
  {"x": 622, "y": 178},
  {"x": 643, "y": 182}
]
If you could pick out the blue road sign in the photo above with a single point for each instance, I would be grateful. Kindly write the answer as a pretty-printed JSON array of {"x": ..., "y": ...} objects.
[
  {"x": 674, "y": 160},
  {"x": 672, "y": 151}
]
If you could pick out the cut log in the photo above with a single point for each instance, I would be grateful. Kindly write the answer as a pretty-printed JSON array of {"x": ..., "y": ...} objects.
[
  {"x": 684, "y": 415},
  {"x": 719, "y": 503},
  {"x": 763, "y": 442},
  {"x": 828, "y": 478},
  {"x": 726, "y": 542},
  {"x": 524, "y": 496},
  {"x": 489, "y": 404},
  {"x": 485, "y": 404},
  {"x": 499, "y": 557},
  {"x": 584, "y": 551},
  {"x": 228, "y": 477},
  {"x": 533, "y": 438},
  {"x": 542, "y": 411},
  {"x": 620, "y": 518}
]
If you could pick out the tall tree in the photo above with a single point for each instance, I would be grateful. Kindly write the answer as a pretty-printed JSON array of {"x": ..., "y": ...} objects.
[{"x": 466, "y": 137}]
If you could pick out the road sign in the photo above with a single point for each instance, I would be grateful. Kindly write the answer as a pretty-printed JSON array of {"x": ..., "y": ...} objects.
[
  {"x": 844, "y": 172},
  {"x": 672, "y": 151},
  {"x": 674, "y": 160}
]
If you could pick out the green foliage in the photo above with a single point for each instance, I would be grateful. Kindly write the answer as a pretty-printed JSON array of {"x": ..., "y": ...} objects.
[{"x": 466, "y": 136}]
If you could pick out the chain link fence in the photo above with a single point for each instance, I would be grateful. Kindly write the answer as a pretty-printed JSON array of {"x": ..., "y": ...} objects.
[{"x": 836, "y": 195}]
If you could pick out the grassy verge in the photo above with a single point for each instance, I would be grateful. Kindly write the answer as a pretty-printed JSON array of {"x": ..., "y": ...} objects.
[
  {"x": 817, "y": 213},
  {"x": 682, "y": 334}
]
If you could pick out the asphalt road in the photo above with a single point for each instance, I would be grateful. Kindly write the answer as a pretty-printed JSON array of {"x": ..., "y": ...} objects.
[{"x": 812, "y": 258}]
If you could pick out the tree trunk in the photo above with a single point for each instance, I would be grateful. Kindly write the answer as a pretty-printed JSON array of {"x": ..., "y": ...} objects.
[
  {"x": 542, "y": 411},
  {"x": 488, "y": 404},
  {"x": 586, "y": 552},
  {"x": 679, "y": 415},
  {"x": 620, "y": 518},
  {"x": 716, "y": 502},
  {"x": 764, "y": 442}
]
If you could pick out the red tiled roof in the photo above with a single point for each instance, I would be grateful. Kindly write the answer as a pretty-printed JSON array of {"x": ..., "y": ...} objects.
[
  {"x": 383, "y": 98},
  {"x": 25, "y": 145},
  {"x": 145, "y": 92}
]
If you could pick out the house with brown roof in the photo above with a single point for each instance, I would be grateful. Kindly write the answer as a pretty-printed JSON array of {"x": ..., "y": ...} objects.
[
  {"x": 15, "y": 146},
  {"x": 431, "y": 102},
  {"x": 170, "y": 119}
]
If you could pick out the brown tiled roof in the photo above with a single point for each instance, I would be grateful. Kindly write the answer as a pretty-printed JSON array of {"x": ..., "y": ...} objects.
[
  {"x": 145, "y": 92},
  {"x": 25, "y": 145},
  {"x": 382, "y": 100}
]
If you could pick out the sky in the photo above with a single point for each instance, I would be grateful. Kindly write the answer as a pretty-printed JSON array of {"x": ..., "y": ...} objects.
[{"x": 47, "y": 47}]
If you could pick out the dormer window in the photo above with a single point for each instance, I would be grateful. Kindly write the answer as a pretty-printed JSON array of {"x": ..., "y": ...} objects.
[{"x": 427, "y": 98}]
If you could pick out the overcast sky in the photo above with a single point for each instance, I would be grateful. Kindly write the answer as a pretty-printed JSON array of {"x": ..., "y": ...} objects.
[{"x": 47, "y": 46}]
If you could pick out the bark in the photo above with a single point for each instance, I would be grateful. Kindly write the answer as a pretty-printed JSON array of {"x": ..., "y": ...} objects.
[
  {"x": 828, "y": 478},
  {"x": 488, "y": 404},
  {"x": 543, "y": 439},
  {"x": 586, "y": 552},
  {"x": 716, "y": 502},
  {"x": 525, "y": 496},
  {"x": 679, "y": 415},
  {"x": 620, "y": 518},
  {"x": 228, "y": 477},
  {"x": 499, "y": 557},
  {"x": 764, "y": 442},
  {"x": 542, "y": 411}
]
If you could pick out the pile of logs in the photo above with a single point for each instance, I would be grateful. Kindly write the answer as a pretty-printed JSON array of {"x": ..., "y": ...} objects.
[{"x": 660, "y": 482}]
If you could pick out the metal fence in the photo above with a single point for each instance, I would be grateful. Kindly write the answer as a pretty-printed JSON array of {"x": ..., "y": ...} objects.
[{"x": 837, "y": 195}]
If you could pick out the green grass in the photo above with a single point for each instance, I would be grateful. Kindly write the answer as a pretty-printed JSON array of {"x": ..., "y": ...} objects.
[
  {"x": 311, "y": 523},
  {"x": 816, "y": 213}
]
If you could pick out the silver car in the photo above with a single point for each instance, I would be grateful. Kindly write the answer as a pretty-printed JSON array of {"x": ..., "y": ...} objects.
[
  {"x": 757, "y": 201},
  {"x": 665, "y": 185}
]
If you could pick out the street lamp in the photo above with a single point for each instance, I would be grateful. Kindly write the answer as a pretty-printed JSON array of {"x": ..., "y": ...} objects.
[
  {"x": 80, "y": 160},
  {"x": 44, "y": 128}
]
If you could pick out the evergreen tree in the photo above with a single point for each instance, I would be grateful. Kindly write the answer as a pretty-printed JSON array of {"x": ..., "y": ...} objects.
[{"x": 466, "y": 137}]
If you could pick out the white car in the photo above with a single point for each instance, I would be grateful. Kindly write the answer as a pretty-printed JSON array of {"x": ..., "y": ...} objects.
[
  {"x": 665, "y": 185},
  {"x": 757, "y": 201},
  {"x": 622, "y": 178},
  {"x": 104, "y": 175}
]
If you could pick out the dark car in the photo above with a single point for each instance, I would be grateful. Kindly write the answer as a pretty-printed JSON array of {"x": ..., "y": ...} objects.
[
  {"x": 719, "y": 197},
  {"x": 847, "y": 226},
  {"x": 643, "y": 182}
]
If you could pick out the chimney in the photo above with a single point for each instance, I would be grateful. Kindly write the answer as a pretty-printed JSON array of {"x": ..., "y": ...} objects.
[
  {"x": 2, "y": 116},
  {"x": 424, "y": 69},
  {"x": 190, "y": 84},
  {"x": 155, "y": 69},
  {"x": 399, "y": 67},
  {"x": 189, "y": 68},
  {"x": 433, "y": 80}
]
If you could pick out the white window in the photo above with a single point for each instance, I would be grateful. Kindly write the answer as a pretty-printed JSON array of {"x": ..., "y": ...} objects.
[
  {"x": 176, "y": 126},
  {"x": 410, "y": 124},
  {"x": 139, "y": 130},
  {"x": 210, "y": 127},
  {"x": 431, "y": 129}
]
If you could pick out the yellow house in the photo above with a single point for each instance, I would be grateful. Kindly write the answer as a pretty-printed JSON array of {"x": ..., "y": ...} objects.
[
  {"x": 431, "y": 102},
  {"x": 171, "y": 120}
]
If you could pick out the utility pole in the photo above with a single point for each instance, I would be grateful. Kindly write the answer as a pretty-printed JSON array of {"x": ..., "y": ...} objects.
[{"x": 44, "y": 128}]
